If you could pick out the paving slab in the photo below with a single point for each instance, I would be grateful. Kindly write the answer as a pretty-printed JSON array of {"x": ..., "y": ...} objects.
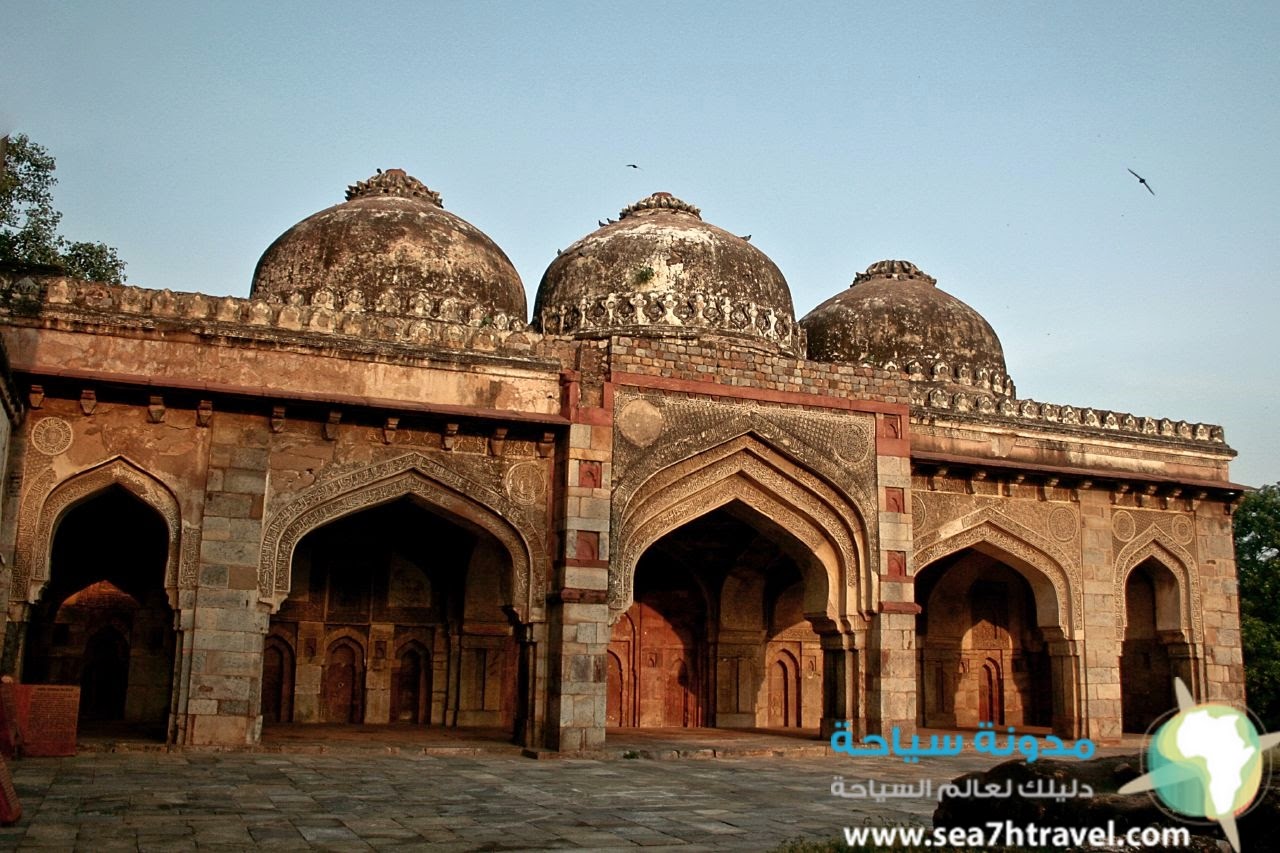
[{"x": 750, "y": 794}]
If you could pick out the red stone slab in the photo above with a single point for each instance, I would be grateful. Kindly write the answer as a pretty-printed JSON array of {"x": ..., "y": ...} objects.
[{"x": 47, "y": 716}]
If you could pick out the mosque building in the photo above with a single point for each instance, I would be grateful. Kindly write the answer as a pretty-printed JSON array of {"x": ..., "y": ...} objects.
[{"x": 378, "y": 491}]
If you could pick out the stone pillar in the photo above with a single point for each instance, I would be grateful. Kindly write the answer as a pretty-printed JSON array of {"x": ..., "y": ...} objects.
[
  {"x": 740, "y": 686},
  {"x": 377, "y": 674},
  {"x": 891, "y": 669},
  {"x": 891, "y": 679},
  {"x": 229, "y": 624},
  {"x": 530, "y": 683},
  {"x": 1065, "y": 671},
  {"x": 579, "y": 632},
  {"x": 308, "y": 673},
  {"x": 842, "y": 677},
  {"x": 1187, "y": 662},
  {"x": 1101, "y": 700},
  {"x": 1220, "y": 600},
  {"x": 180, "y": 693},
  {"x": 578, "y": 613}
]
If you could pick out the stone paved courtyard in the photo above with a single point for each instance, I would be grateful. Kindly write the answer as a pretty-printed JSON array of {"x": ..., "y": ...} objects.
[{"x": 359, "y": 801}]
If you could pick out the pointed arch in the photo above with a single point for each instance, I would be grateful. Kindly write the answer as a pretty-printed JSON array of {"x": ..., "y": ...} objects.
[
  {"x": 1030, "y": 554},
  {"x": 413, "y": 475},
  {"x": 1152, "y": 544},
  {"x": 816, "y": 522},
  {"x": 34, "y": 545}
]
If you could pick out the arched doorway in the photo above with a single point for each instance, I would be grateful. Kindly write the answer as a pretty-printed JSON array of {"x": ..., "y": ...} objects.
[
  {"x": 784, "y": 693},
  {"x": 277, "y": 681},
  {"x": 982, "y": 654},
  {"x": 397, "y": 614},
  {"x": 1151, "y": 600},
  {"x": 412, "y": 677},
  {"x": 342, "y": 685},
  {"x": 103, "y": 621},
  {"x": 717, "y": 607}
]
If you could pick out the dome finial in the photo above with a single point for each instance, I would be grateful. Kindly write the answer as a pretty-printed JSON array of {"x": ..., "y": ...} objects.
[
  {"x": 660, "y": 201},
  {"x": 896, "y": 270},
  {"x": 393, "y": 182}
]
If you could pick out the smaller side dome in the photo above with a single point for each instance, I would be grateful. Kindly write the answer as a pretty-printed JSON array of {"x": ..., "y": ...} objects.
[
  {"x": 894, "y": 316},
  {"x": 392, "y": 248},
  {"x": 661, "y": 271}
]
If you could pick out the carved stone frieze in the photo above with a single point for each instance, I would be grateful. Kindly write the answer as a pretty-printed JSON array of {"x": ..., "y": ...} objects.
[
  {"x": 429, "y": 321},
  {"x": 839, "y": 446},
  {"x": 927, "y": 399},
  {"x": 718, "y": 313}
]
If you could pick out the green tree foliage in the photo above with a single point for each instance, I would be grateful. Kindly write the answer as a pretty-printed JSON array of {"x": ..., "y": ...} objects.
[
  {"x": 29, "y": 221},
  {"x": 1257, "y": 532}
]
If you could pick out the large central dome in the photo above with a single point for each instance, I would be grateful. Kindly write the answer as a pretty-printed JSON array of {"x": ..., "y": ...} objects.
[
  {"x": 660, "y": 271},
  {"x": 392, "y": 248}
]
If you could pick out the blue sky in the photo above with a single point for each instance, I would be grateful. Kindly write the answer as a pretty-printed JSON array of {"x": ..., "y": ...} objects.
[{"x": 986, "y": 142}]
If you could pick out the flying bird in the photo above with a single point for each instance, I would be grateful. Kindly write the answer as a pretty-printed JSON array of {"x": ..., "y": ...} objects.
[
  {"x": 1142, "y": 181},
  {"x": 632, "y": 166}
]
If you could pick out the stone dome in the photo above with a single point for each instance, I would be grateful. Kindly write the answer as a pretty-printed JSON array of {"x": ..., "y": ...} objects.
[
  {"x": 391, "y": 248},
  {"x": 894, "y": 316},
  {"x": 660, "y": 271}
]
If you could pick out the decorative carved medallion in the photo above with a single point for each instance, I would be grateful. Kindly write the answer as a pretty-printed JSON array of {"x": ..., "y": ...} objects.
[
  {"x": 1183, "y": 530},
  {"x": 640, "y": 422},
  {"x": 51, "y": 436},
  {"x": 1122, "y": 525},
  {"x": 919, "y": 513},
  {"x": 1063, "y": 524},
  {"x": 853, "y": 443},
  {"x": 526, "y": 483}
]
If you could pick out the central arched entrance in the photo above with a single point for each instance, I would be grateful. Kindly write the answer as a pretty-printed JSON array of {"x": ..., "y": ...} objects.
[
  {"x": 716, "y": 634},
  {"x": 103, "y": 621},
  {"x": 396, "y": 614}
]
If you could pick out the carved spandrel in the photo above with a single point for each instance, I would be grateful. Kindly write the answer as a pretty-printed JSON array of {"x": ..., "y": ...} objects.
[{"x": 443, "y": 487}]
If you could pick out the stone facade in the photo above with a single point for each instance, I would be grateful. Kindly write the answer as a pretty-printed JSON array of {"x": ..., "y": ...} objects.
[{"x": 389, "y": 507}]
